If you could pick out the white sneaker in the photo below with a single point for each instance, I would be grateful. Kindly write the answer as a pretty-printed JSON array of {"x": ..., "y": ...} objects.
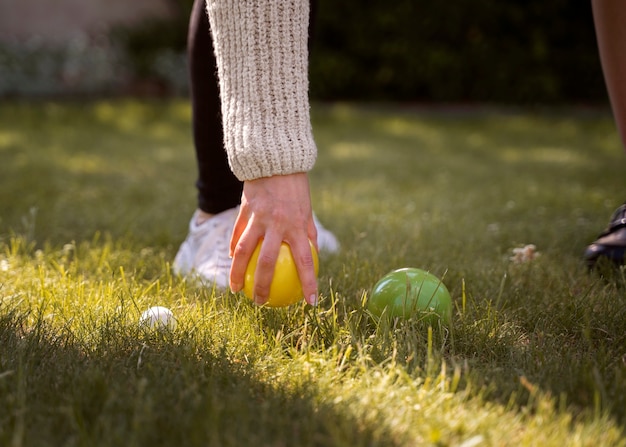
[{"x": 205, "y": 252}]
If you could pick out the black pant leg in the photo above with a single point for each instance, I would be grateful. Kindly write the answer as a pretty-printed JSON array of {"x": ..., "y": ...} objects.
[{"x": 218, "y": 188}]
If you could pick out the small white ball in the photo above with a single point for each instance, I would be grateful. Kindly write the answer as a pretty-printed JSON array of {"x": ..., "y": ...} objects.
[{"x": 158, "y": 317}]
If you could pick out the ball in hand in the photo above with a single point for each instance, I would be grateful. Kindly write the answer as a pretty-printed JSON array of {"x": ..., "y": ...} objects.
[{"x": 285, "y": 288}]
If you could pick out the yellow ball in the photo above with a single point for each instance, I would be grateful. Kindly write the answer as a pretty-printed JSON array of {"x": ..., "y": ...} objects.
[{"x": 286, "y": 288}]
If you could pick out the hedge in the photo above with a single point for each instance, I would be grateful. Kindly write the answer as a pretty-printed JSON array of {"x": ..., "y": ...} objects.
[
  {"x": 459, "y": 50},
  {"x": 515, "y": 51}
]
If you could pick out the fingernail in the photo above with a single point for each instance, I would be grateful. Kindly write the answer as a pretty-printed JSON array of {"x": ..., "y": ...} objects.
[
  {"x": 313, "y": 300},
  {"x": 259, "y": 301},
  {"x": 235, "y": 287}
]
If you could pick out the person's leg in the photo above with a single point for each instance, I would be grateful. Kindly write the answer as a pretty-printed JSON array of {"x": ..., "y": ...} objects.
[
  {"x": 218, "y": 188},
  {"x": 205, "y": 251},
  {"x": 609, "y": 18}
]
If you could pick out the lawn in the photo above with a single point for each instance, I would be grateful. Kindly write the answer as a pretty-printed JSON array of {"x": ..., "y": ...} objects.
[{"x": 95, "y": 198}]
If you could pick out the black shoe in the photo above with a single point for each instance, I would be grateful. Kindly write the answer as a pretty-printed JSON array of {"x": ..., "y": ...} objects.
[{"x": 611, "y": 243}]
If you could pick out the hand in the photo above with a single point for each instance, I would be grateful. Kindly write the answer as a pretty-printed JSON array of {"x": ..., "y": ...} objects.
[{"x": 274, "y": 209}]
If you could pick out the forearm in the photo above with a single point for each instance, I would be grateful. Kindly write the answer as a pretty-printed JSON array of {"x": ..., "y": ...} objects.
[
  {"x": 262, "y": 55},
  {"x": 610, "y": 23}
]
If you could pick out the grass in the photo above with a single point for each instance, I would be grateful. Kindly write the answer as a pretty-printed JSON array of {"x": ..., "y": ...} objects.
[{"x": 95, "y": 198}]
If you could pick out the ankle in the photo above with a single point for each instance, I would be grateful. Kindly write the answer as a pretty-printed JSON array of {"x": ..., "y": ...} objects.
[{"x": 202, "y": 217}]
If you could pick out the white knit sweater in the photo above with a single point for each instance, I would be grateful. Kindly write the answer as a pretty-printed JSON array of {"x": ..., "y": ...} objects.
[{"x": 262, "y": 58}]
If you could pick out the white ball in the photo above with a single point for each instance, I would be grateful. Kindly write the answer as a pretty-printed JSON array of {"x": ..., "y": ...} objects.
[{"x": 158, "y": 317}]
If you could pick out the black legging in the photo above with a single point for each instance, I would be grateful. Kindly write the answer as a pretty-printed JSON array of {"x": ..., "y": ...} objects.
[{"x": 218, "y": 188}]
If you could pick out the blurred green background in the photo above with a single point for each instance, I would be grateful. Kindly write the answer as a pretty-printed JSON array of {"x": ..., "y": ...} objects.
[{"x": 518, "y": 51}]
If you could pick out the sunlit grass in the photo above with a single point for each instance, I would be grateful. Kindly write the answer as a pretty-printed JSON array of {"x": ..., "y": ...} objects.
[{"x": 95, "y": 198}]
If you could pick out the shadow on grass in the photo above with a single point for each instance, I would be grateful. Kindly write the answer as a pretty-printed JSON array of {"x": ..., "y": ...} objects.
[
  {"x": 564, "y": 340},
  {"x": 433, "y": 191},
  {"x": 156, "y": 391},
  {"x": 455, "y": 193}
]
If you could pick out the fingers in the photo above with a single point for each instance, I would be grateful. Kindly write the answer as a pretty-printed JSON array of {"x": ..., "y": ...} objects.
[
  {"x": 270, "y": 249},
  {"x": 242, "y": 252},
  {"x": 275, "y": 210},
  {"x": 305, "y": 265},
  {"x": 312, "y": 232},
  {"x": 264, "y": 272},
  {"x": 242, "y": 244}
]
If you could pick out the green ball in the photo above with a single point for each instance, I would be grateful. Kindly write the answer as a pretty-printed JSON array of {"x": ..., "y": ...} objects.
[{"x": 410, "y": 291}]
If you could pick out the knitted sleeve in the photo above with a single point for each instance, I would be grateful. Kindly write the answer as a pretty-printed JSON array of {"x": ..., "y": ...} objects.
[{"x": 262, "y": 58}]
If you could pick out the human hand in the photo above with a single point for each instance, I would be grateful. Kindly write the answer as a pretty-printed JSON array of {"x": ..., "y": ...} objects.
[{"x": 274, "y": 209}]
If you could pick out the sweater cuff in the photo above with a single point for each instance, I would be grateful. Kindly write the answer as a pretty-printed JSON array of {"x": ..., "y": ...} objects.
[{"x": 262, "y": 57}]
